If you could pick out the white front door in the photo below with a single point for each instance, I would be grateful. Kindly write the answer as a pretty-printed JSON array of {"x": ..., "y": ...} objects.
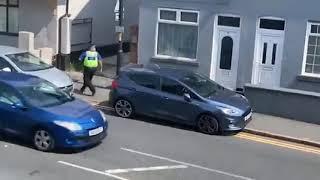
[
  {"x": 269, "y": 61},
  {"x": 227, "y": 58}
]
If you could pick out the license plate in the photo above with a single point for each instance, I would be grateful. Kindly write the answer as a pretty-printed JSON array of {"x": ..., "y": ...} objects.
[
  {"x": 248, "y": 117},
  {"x": 96, "y": 131}
]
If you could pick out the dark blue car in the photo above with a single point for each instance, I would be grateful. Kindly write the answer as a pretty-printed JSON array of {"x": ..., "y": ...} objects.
[
  {"x": 181, "y": 96},
  {"x": 36, "y": 110}
]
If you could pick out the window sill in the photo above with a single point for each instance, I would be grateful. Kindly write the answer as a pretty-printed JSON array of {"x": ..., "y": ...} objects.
[
  {"x": 308, "y": 78},
  {"x": 175, "y": 61},
  {"x": 9, "y": 34}
]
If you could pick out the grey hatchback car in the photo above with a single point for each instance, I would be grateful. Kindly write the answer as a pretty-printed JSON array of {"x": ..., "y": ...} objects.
[
  {"x": 180, "y": 96},
  {"x": 17, "y": 60}
]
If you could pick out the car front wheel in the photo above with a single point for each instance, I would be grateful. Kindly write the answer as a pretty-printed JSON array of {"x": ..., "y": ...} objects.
[
  {"x": 208, "y": 124},
  {"x": 123, "y": 108},
  {"x": 43, "y": 140}
]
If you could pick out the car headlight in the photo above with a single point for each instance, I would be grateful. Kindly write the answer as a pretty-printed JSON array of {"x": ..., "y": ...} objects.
[
  {"x": 103, "y": 116},
  {"x": 69, "y": 125},
  {"x": 229, "y": 111}
]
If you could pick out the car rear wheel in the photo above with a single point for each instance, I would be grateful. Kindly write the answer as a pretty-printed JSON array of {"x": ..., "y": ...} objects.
[
  {"x": 208, "y": 124},
  {"x": 123, "y": 108},
  {"x": 43, "y": 140}
]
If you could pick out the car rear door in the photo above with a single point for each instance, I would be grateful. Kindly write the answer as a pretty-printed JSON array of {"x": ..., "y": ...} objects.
[
  {"x": 13, "y": 119},
  {"x": 145, "y": 96},
  {"x": 174, "y": 107}
]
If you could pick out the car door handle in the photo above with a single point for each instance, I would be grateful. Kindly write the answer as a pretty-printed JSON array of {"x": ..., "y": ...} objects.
[{"x": 165, "y": 97}]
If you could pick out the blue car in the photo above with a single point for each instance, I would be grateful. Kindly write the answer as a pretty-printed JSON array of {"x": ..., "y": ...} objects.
[
  {"x": 36, "y": 110},
  {"x": 181, "y": 96}
]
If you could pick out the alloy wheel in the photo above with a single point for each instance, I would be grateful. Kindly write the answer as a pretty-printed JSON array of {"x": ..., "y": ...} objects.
[
  {"x": 43, "y": 140},
  {"x": 123, "y": 108},
  {"x": 208, "y": 124}
]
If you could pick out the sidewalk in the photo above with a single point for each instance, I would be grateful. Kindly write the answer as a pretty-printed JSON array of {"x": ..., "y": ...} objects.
[
  {"x": 263, "y": 125},
  {"x": 102, "y": 85},
  {"x": 285, "y": 129}
]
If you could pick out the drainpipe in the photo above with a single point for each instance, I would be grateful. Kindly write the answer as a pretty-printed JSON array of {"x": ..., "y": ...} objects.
[{"x": 61, "y": 59}]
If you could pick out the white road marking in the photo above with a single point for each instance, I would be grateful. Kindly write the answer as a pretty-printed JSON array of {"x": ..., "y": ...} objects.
[
  {"x": 142, "y": 169},
  {"x": 91, "y": 170},
  {"x": 187, "y": 164}
]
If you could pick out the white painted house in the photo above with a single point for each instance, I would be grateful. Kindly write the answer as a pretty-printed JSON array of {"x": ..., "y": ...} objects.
[{"x": 93, "y": 21}]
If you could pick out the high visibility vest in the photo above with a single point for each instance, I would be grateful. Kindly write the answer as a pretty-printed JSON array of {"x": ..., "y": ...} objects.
[{"x": 91, "y": 59}]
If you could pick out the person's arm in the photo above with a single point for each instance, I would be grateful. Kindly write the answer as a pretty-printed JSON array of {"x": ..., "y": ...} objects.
[
  {"x": 101, "y": 66},
  {"x": 82, "y": 56},
  {"x": 100, "y": 62}
]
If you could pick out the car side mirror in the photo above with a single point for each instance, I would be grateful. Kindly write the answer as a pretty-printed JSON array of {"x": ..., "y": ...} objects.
[
  {"x": 187, "y": 97},
  {"x": 6, "y": 69}
]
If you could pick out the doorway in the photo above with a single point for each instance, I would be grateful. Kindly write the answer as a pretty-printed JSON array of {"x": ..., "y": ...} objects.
[
  {"x": 226, "y": 51},
  {"x": 269, "y": 52}
]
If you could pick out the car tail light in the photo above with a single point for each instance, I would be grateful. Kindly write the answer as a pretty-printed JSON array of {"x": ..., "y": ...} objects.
[{"x": 114, "y": 84}]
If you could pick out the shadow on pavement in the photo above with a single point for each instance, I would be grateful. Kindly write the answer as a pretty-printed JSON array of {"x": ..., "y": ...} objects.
[
  {"x": 28, "y": 144},
  {"x": 95, "y": 85},
  {"x": 77, "y": 91},
  {"x": 15, "y": 140},
  {"x": 157, "y": 121}
]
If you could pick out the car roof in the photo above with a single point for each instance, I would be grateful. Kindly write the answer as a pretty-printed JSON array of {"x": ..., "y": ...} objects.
[
  {"x": 18, "y": 79},
  {"x": 4, "y": 50},
  {"x": 155, "y": 69}
]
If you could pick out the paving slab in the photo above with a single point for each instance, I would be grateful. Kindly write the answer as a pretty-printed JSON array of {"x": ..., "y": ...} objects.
[{"x": 286, "y": 129}]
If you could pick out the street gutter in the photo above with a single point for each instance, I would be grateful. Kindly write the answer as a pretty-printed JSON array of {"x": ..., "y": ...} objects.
[{"x": 282, "y": 137}]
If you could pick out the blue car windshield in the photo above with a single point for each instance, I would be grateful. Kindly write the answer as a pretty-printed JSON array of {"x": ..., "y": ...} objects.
[
  {"x": 45, "y": 94},
  {"x": 28, "y": 62},
  {"x": 201, "y": 84}
]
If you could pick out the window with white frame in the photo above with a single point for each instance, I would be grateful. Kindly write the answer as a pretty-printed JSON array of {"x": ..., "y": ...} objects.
[
  {"x": 311, "y": 65},
  {"x": 177, "y": 33},
  {"x": 9, "y": 16}
]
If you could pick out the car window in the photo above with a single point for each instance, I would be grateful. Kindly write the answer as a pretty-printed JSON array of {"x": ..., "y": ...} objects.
[
  {"x": 172, "y": 87},
  {"x": 28, "y": 62},
  {"x": 8, "y": 96},
  {"x": 4, "y": 64},
  {"x": 146, "y": 80},
  {"x": 201, "y": 84},
  {"x": 44, "y": 94}
]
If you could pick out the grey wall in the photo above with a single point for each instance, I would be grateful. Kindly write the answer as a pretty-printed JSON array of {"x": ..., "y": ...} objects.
[
  {"x": 36, "y": 16},
  {"x": 295, "y": 12},
  {"x": 287, "y": 103},
  {"x": 41, "y": 18},
  {"x": 8, "y": 40},
  {"x": 102, "y": 13}
]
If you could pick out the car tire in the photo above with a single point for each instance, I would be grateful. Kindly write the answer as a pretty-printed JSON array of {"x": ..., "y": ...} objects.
[
  {"x": 208, "y": 124},
  {"x": 124, "y": 108},
  {"x": 43, "y": 140}
]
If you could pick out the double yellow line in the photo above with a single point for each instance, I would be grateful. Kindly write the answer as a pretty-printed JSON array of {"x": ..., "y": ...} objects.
[{"x": 279, "y": 143}]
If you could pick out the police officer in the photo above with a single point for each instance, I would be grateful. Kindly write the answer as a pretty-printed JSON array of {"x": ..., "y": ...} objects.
[{"x": 91, "y": 60}]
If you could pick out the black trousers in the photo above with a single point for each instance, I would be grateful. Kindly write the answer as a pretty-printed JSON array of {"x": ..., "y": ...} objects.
[{"x": 88, "y": 74}]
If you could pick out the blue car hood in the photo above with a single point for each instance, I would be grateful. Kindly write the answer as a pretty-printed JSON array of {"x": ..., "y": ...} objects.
[
  {"x": 230, "y": 98},
  {"x": 77, "y": 110}
]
